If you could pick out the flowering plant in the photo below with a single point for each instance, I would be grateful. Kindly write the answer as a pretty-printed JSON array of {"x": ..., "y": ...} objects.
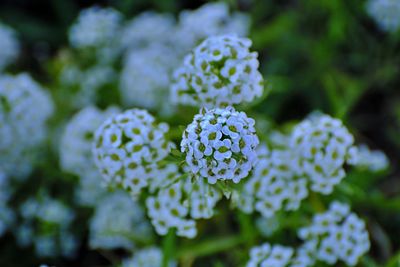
[{"x": 198, "y": 138}]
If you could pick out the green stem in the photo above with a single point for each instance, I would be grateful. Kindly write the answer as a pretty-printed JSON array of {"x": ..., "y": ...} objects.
[
  {"x": 316, "y": 202},
  {"x": 168, "y": 246},
  {"x": 246, "y": 228},
  {"x": 211, "y": 246}
]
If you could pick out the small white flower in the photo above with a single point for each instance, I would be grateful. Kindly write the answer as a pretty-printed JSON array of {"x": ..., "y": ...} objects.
[
  {"x": 374, "y": 160},
  {"x": 128, "y": 148},
  {"x": 337, "y": 234},
  {"x": 270, "y": 256},
  {"x": 211, "y": 75},
  {"x": 218, "y": 154},
  {"x": 322, "y": 145},
  {"x": 275, "y": 183}
]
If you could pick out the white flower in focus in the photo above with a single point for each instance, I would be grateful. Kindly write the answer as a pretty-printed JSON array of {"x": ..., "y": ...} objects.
[
  {"x": 145, "y": 77},
  {"x": 209, "y": 20},
  {"x": 336, "y": 234},
  {"x": 322, "y": 146},
  {"x": 386, "y": 13},
  {"x": 95, "y": 27},
  {"x": 220, "y": 145},
  {"x": 24, "y": 110},
  {"x": 221, "y": 71},
  {"x": 128, "y": 148},
  {"x": 9, "y": 46},
  {"x": 148, "y": 257},
  {"x": 373, "y": 160},
  {"x": 118, "y": 222}
]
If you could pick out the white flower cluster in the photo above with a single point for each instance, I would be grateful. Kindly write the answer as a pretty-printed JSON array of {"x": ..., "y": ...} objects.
[
  {"x": 386, "y": 13},
  {"x": 334, "y": 235},
  {"x": 155, "y": 45},
  {"x": 149, "y": 28},
  {"x": 209, "y": 20},
  {"x": 146, "y": 75},
  {"x": 24, "y": 110},
  {"x": 221, "y": 71},
  {"x": 179, "y": 200},
  {"x": 337, "y": 234},
  {"x": 220, "y": 145},
  {"x": 128, "y": 149},
  {"x": 322, "y": 145},
  {"x": 76, "y": 152},
  {"x": 373, "y": 160},
  {"x": 267, "y": 255},
  {"x": 281, "y": 256},
  {"x": 9, "y": 46},
  {"x": 47, "y": 225},
  {"x": 118, "y": 222},
  {"x": 274, "y": 184},
  {"x": 95, "y": 27},
  {"x": 7, "y": 216},
  {"x": 148, "y": 257}
]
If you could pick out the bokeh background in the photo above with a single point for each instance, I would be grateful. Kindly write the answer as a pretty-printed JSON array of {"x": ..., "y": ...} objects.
[{"x": 316, "y": 55}]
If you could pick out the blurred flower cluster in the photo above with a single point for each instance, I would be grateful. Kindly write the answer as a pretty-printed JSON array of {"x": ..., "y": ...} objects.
[{"x": 148, "y": 141}]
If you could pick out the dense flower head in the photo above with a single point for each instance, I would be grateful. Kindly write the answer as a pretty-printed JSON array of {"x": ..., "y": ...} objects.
[
  {"x": 9, "y": 46},
  {"x": 274, "y": 184},
  {"x": 118, "y": 222},
  {"x": 322, "y": 144},
  {"x": 145, "y": 77},
  {"x": 76, "y": 152},
  {"x": 95, "y": 27},
  {"x": 220, "y": 145},
  {"x": 47, "y": 226},
  {"x": 209, "y": 20},
  {"x": 147, "y": 257},
  {"x": 373, "y": 160},
  {"x": 179, "y": 203},
  {"x": 221, "y": 71},
  {"x": 128, "y": 148},
  {"x": 24, "y": 109},
  {"x": 386, "y": 13},
  {"x": 148, "y": 28},
  {"x": 337, "y": 234}
]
